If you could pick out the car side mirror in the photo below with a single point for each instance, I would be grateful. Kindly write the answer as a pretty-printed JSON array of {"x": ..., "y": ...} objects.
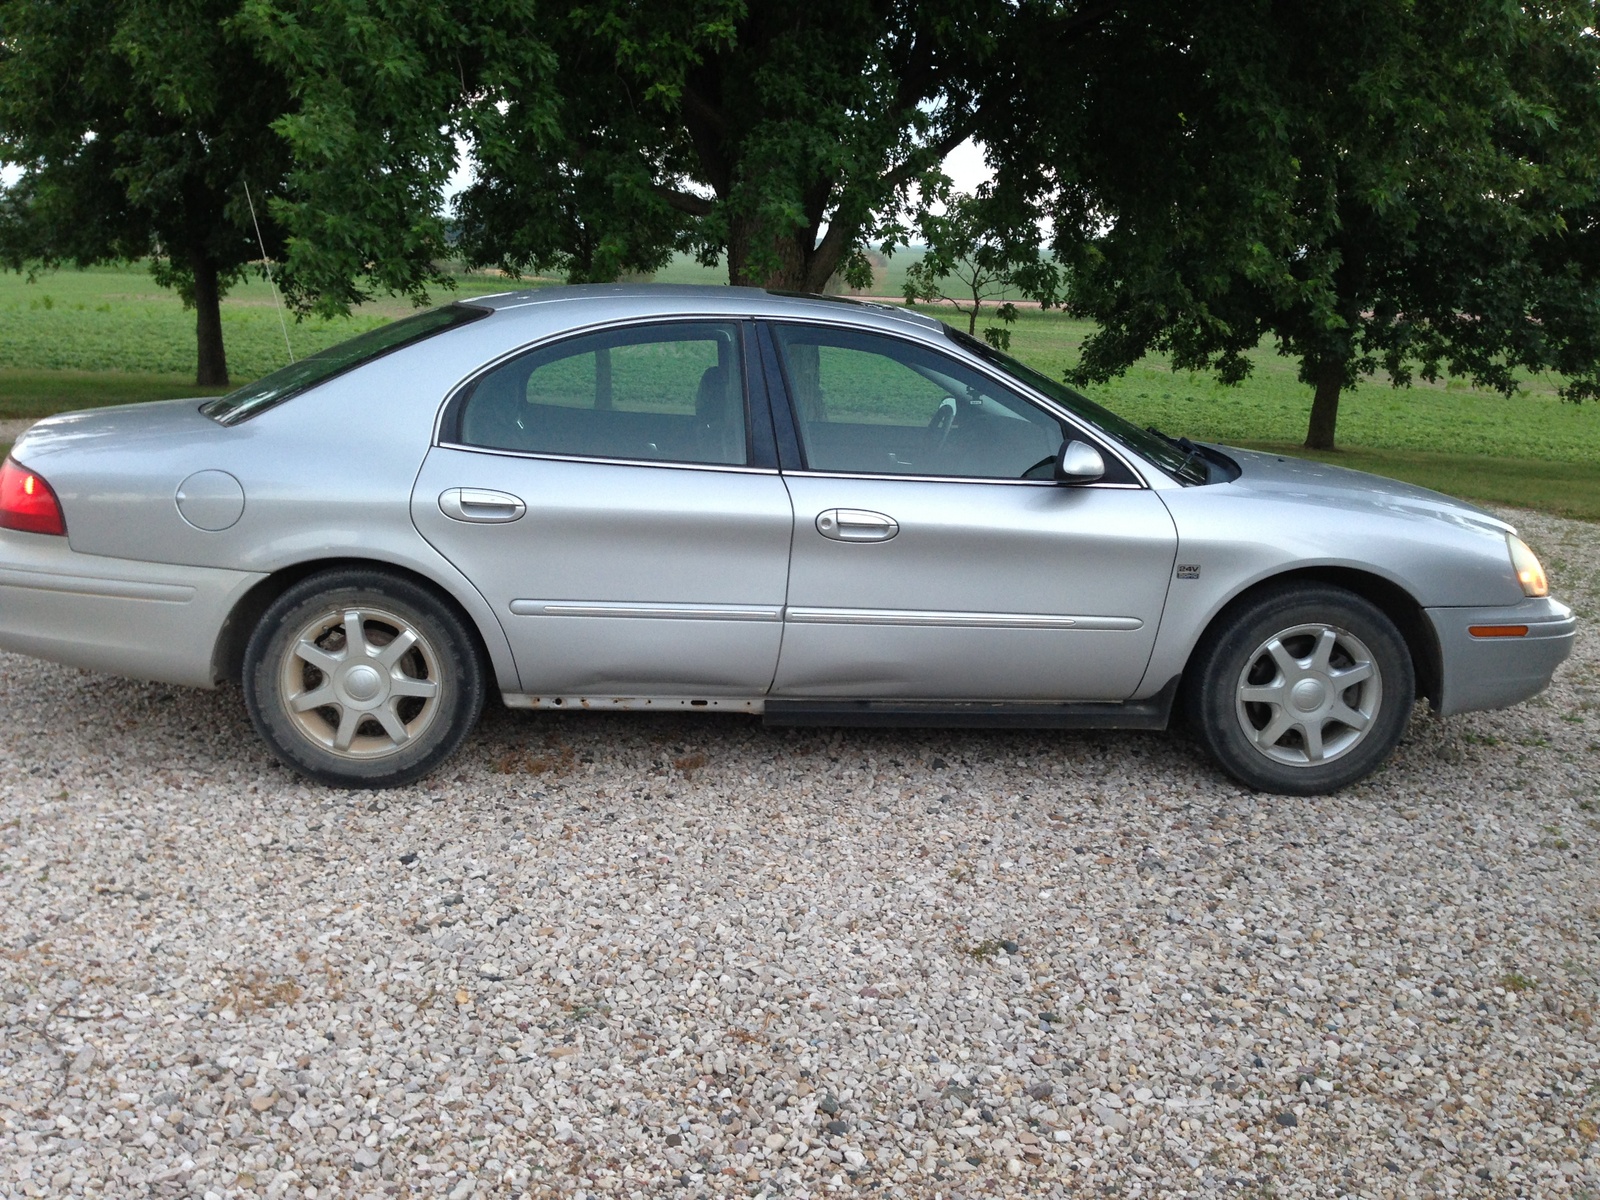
[{"x": 1079, "y": 462}]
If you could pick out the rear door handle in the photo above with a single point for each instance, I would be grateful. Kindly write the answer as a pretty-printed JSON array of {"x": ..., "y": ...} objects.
[
  {"x": 481, "y": 506},
  {"x": 856, "y": 525}
]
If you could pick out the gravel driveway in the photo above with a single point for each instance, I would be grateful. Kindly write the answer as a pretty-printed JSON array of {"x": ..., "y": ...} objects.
[{"x": 608, "y": 956}]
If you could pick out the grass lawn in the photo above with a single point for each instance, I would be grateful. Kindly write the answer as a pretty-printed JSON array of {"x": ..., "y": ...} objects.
[
  {"x": 110, "y": 335},
  {"x": 1530, "y": 450},
  {"x": 78, "y": 339}
]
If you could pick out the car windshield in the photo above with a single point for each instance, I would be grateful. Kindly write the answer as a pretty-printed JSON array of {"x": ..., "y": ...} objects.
[
  {"x": 243, "y": 403},
  {"x": 1176, "y": 460}
]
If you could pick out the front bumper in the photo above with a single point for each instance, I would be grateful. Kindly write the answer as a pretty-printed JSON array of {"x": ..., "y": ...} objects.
[
  {"x": 1496, "y": 672},
  {"x": 118, "y": 615}
]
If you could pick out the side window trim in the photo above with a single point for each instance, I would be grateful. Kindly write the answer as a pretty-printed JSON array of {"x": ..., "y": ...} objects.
[
  {"x": 759, "y": 452},
  {"x": 792, "y": 456},
  {"x": 760, "y": 407}
]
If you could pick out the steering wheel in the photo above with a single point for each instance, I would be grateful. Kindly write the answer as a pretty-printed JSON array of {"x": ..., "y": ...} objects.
[{"x": 939, "y": 427}]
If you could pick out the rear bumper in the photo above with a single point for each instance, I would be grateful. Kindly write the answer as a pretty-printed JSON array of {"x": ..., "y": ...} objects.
[
  {"x": 1496, "y": 672},
  {"x": 138, "y": 619}
]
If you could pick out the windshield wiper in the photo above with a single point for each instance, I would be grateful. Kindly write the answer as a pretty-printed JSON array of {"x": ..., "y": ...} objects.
[{"x": 1191, "y": 453}]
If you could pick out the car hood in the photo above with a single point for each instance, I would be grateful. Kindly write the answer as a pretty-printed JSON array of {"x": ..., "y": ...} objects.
[
  {"x": 118, "y": 427},
  {"x": 1357, "y": 492}
]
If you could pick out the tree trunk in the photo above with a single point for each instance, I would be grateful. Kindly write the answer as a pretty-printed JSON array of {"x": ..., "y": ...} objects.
[
  {"x": 212, "y": 360},
  {"x": 1325, "y": 406},
  {"x": 760, "y": 258},
  {"x": 783, "y": 260}
]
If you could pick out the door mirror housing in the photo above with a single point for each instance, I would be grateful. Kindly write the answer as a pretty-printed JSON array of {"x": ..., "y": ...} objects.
[{"x": 1079, "y": 462}]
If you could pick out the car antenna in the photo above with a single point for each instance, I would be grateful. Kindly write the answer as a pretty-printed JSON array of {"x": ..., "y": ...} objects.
[{"x": 262, "y": 242}]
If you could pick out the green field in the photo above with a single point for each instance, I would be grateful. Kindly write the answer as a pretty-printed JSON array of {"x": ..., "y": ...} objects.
[
  {"x": 1531, "y": 450},
  {"x": 117, "y": 320},
  {"x": 888, "y": 276},
  {"x": 76, "y": 339}
]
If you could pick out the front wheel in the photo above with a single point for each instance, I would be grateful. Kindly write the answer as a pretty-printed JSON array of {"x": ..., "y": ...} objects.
[
  {"x": 362, "y": 679},
  {"x": 1304, "y": 690}
]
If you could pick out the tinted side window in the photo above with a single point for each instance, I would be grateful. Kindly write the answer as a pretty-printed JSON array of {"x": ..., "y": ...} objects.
[
  {"x": 673, "y": 392},
  {"x": 876, "y": 405},
  {"x": 286, "y": 382}
]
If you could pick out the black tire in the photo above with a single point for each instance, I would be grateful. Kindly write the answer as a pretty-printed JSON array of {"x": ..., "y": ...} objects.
[
  {"x": 1322, "y": 710},
  {"x": 398, "y": 713}
]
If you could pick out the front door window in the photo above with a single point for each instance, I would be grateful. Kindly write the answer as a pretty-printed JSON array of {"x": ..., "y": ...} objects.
[{"x": 867, "y": 404}]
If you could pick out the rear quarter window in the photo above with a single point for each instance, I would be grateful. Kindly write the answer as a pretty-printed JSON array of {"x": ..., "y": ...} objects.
[{"x": 270, "y": 390}]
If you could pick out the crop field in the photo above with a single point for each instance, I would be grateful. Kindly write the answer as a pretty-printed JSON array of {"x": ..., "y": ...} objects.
[{"x": 75, "y": 339}]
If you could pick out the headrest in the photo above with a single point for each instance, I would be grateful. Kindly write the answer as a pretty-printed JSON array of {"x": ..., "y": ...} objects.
[{"x": 711, "y": 401}]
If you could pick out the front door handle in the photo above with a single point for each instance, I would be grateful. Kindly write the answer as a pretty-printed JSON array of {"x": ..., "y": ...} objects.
[
  {"x": 481, "y": 506},
  {"x": 856, "y": 525}
]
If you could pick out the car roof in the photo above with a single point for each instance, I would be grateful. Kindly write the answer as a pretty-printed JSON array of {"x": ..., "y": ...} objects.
[{"x": 602, "y": 300}]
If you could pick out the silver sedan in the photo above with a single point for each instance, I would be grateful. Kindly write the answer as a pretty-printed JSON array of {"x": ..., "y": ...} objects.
[{"x": 721, "y": 500}]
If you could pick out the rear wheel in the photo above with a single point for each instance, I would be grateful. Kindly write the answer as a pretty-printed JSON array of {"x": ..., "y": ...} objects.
[
  {"x": 1305, "y": 689},
  {"x": 362, "y": 679}
]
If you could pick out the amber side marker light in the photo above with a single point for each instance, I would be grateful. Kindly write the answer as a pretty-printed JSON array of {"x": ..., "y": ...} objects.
[
  {"x": 27, "y": 503},
  {"x": 1487, "y": 631}
]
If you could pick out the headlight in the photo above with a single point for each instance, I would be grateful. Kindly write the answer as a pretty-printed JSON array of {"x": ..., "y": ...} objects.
[{"x": 1526, "y": 564}]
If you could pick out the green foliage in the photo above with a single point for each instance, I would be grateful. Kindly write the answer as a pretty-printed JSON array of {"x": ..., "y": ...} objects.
[
  {"x": 970, "y": 261},
  {"x": 607, "y": 136},
  {"x": 1404, "y": 185},
  {"x": 381, "y": 93},
  {"x": 138, "y": 124}
]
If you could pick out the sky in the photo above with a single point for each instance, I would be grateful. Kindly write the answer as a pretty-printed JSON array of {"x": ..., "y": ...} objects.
[{"x": 966, "y": 167}]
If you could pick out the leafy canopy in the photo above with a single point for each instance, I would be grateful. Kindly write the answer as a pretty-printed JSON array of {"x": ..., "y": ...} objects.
[
  {"x": 1396, "y": 185},
  {"x": 608, "y": 134},
  {"x": 382, "y": 92}
]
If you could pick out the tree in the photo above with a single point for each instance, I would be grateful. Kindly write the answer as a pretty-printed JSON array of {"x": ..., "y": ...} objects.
[
  {"x": 962, "y": 246},
  {"x": 138, "y": 125},
  {"x": 1399, "y": 184},
  {"x": 384, "y": 91},
  {"x": 782, "y": 137}
]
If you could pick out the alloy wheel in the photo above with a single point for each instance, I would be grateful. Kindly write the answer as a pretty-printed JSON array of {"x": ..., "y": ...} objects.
[
  {"x": 1308, "y": 694},
  {"x": 360, "y": 682}
]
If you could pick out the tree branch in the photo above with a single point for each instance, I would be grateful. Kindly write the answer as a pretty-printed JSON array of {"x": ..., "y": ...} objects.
[
  {"x": 707, "y": 127},
  {"x": 913, "y": 165},
  {"x": 1086, "y": 18},
  {"x": 828, "y": 254},
  {"x": 704, "y": 111},
  {"x": 685, "y": 202},
  {"x": 831, "y": 250}
]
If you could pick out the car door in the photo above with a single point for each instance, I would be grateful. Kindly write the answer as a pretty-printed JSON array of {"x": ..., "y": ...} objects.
[
  {"x": 934, "y": 556},
  {"x": 612, "y": 498}
]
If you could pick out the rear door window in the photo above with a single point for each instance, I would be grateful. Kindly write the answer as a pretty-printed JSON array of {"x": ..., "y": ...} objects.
[{"x": 668, "y": 392}]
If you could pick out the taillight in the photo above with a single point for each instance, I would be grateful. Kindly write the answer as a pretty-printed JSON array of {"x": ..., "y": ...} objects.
[{"x": 27, "y": 502}]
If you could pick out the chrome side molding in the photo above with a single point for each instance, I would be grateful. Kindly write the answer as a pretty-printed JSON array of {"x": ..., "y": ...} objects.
[
  {"x": 657, "y": 612},
  {"x": 955, "y": 620}
]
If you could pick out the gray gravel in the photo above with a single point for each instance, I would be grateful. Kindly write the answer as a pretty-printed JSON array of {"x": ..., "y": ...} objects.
[{"x": 609, "y": 956}]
